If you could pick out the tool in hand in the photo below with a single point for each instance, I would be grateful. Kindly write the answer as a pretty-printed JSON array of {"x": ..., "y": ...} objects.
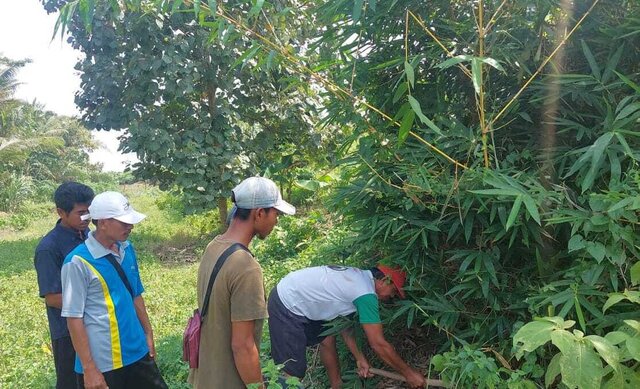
[{"x": 398, "y": 377}]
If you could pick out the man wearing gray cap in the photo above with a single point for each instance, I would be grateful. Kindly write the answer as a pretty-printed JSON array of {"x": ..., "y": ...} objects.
[
  {"x": 230, "y": 334},
  {"x": 102, "y": 301}
]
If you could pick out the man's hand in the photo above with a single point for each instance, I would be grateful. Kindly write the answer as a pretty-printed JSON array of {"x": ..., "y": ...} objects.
[
  {"x": 93, "y": 379},
  {"x": 363, "y": 368},
  {"x": 151, "y": 344},
  {"x": 415, "y": 379}
]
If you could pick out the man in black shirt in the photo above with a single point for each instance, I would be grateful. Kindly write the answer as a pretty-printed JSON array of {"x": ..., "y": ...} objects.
[{"x": 72, "y": 201}]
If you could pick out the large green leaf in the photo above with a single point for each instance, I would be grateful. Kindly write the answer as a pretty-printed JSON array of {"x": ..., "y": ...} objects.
[
  {"x": 553, "y": 370},
  {"x": 533, "y": 335},
  {"x": 635, "y": 273},
  {"x": 580, "y": 366},
  {"x": 606, "y": 350},
  {"x": 633, "y": 346}
]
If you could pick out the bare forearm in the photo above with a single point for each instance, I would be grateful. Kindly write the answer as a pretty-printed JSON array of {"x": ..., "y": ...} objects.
[
  {"x": 141, "y": 312},
  {"x": 54, "y": 300},
  {"x": 388, "y": 354},
  {"x": 247, "y": 362},
  {"x": 349, "y": 340}
]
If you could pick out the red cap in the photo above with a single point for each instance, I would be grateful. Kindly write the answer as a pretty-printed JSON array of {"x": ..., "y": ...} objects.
[{"x": 397, "y": 277}]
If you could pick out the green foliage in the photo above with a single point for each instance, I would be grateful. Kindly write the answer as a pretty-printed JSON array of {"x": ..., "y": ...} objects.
[
  {"x": 501, "y": 173},
  {"x": 469, "y": 366},
  {"x": 15, "y": 189},
  {"x": 580, "y": 359},
  {"x": 274, "y": 379}
]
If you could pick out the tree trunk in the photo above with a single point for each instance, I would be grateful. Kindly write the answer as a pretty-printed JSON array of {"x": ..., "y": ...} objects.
[{"x": 222, "y": 209}]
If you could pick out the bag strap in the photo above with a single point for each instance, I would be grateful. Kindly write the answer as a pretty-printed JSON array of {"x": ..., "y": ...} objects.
[
  {"x": 112, "y": 259},
  {"x": 221, "y": 260}
]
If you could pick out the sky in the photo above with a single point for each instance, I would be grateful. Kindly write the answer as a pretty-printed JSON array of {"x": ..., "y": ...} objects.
[{"x": 50, "y": 79}]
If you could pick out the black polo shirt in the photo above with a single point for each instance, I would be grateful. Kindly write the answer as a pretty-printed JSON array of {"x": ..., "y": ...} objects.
[{"x": 50, "y": 255}]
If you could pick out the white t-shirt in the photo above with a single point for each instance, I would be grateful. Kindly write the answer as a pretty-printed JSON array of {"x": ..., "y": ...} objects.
[{"x": 324, "y": 292}]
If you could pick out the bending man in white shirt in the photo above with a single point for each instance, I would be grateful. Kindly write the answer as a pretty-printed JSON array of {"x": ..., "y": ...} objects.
[{"x": 306, "y": 299}]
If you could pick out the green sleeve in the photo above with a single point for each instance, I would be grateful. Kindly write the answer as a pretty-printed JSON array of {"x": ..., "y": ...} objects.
[{"x": 367, "y": 307}]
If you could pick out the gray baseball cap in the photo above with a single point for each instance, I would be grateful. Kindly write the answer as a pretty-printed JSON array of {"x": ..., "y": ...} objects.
[{"x": 261, "y": 192}]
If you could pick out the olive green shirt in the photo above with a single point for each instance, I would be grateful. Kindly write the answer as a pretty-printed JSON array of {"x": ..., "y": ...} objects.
[{"x": 237, "y": 295}]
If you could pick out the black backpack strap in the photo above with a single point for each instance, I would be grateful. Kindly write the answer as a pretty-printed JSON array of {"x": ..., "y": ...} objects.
[
  {"x": 223, "y": 257},
  {"x": 112, "y": 259}
]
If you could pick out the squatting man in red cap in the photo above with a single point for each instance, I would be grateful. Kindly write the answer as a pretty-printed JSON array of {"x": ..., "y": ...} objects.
[{"x": 305, "y": 300}]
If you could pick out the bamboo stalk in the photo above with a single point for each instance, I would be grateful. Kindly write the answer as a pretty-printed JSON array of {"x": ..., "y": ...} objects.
[{"x": 398, "y": 377}]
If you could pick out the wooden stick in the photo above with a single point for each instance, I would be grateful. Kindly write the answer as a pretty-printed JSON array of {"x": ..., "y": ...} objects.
[{"x": 398, "y": 377}]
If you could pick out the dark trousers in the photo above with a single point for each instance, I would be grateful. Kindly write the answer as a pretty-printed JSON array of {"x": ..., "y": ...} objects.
[
  {"x": 64, "y": 358},
  {"x": 290, "y": 336},
  {"x": 143, "y": 374}
]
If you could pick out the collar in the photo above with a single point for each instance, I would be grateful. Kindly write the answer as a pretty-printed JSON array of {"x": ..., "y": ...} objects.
[
  {"x": 97, "y": 250},
  {"x": 80, "y": 234}
]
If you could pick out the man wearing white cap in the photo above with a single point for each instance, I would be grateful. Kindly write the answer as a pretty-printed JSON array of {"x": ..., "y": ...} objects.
[
  {"x": 230, "y": 334},
  {"x": 102, "y": 301}
]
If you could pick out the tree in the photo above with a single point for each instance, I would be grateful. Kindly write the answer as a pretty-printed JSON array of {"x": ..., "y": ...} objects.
[{"x": 194, "y": 113}]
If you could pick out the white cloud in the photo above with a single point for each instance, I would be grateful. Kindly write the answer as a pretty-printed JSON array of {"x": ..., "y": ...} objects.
[{"x": 50, "y": 79}]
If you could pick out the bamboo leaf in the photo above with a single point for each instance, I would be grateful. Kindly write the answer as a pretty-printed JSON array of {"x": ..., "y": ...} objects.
[
  {"x": 628, "y": 110},
  {"x": 213, "y": 6},
  {"x": 454, "y": 61},
  {"x": 405, "y": 126},
  {"x": 514, "y": 212},
  {"x": 408, "y": 71},
  {"x": 493, "y": 63},
  {"x": 176, "y": 6},
  {"x": 596, "y": 151},
  {"x": 580, "y": 314},
  {"x": 611, "y": 64},
  {"x": 257, "y": 7},
  {"x": 357, "y": 10},
  {"x": 593, "y": 64},
  {"x": 531, "y": 208},
  {"x": 627, "y": 81},
  {"x": 476, "y": 74},
  {"x": 400, "y": 91},
  {"x": 415, "y": 105},
  {"x": 499, "y": 192},
  {"x": 196, "y": 7}
]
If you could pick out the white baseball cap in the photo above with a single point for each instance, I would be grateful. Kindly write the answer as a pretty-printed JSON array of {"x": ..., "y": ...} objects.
[
  {"x": 260, "y": 192},
  {"x": 113, "y": 205}
]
